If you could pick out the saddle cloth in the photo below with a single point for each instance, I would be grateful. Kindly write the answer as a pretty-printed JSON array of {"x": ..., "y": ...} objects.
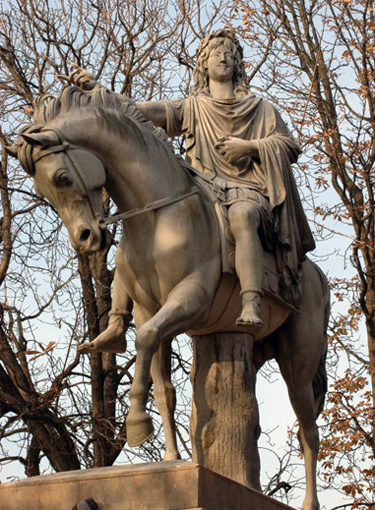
[{"x": 277, "y": 283}]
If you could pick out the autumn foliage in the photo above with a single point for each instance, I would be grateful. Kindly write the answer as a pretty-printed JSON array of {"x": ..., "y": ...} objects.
[{"x": 316, "y": 58}]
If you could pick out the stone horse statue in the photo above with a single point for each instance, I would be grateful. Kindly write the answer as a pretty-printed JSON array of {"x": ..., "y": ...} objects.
[{"x": 82, "y": 142}]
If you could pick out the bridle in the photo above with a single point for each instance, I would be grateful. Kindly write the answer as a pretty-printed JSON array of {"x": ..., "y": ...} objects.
[{"x": 67, "y": 148}]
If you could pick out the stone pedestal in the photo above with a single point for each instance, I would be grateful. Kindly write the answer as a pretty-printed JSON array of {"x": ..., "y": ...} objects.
[
  {"x": 176, "y": 485},
  {"x": 224, "y": 426}
]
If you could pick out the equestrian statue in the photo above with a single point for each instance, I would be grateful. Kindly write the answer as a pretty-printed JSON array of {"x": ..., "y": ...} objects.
[{"x": 214, "y": 242}]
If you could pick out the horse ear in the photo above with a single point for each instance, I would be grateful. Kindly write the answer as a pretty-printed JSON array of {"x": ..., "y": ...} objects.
[
  {"x": 45, "y": 139},
  {"x": 12, "y": 150}
]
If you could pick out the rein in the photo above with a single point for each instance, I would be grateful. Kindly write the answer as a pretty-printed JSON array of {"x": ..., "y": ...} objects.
[
  {"x": 67, "y": 148},
  {"x": 158, "y": 204}
]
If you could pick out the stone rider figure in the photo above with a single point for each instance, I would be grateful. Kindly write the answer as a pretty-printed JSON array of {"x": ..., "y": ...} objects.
[{"x": 240, "y": 144}]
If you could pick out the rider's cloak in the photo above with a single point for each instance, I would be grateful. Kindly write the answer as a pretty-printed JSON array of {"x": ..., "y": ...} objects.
[{"x": 203, "y": 121}]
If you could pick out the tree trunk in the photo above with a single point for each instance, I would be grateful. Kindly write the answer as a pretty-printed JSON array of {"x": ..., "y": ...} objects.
[
  {"x": 370, "y": 329},
  {"x": 224, "y": 425}
]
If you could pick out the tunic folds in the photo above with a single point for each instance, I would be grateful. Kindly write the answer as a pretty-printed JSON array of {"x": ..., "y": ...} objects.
[{"x": 203, "y": 121}]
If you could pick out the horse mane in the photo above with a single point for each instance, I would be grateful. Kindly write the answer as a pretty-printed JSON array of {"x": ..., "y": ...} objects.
[{"x": 48, "y": 108}]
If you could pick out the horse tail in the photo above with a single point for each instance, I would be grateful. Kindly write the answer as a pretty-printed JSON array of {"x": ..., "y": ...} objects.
[{"x": 319, "y": 383}]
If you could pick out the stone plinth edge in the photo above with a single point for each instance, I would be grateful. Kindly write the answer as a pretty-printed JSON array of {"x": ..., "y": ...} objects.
[{"x": 176, "y": 485}]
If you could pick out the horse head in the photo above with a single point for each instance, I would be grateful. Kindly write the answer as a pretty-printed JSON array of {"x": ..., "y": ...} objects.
[{"x": 71, "y": 178}]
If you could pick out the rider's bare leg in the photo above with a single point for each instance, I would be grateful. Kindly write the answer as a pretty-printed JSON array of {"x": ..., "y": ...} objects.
[
  {"x": 244, "y": 220},
  {"x": 113, "y": 338}
]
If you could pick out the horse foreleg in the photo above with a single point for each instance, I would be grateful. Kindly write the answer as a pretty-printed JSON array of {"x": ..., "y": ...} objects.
[
  {"x": 165, "y": 397},
  {"x": 138, "y": 423},
  {"x": 113, "y": 339},
  {"x": 187, "y": 305}
]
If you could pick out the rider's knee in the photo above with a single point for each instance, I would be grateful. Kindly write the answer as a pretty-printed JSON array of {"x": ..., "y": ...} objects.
[{"x": 243, "y": 216}]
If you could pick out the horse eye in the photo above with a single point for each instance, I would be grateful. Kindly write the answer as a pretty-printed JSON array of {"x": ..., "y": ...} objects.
[{"x": 62, "y": 179}]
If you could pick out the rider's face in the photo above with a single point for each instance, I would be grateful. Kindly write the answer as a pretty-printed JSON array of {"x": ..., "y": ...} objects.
[{"x": 220, "y": 64}]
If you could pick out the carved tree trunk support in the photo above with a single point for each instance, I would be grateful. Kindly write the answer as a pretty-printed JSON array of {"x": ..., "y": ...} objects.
[{"x": 224, "y": 426}]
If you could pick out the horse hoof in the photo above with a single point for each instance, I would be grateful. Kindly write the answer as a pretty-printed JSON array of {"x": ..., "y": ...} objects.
[
  {"x": 138, "y": 429},
  {"x": 309, "y": 504},
  {"x": 86, "y": 348},
  {"x": 171, "y": 456}
]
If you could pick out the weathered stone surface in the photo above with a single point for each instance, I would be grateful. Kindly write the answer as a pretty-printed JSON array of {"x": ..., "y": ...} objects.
[
  {"x": 169, "y": 260},
  {"x": 224, "y": 425},
  {"x": 176, "y": 485}
]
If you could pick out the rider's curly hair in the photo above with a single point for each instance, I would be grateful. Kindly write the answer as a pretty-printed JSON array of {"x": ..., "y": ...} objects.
[{"x": 209, "y": 43}]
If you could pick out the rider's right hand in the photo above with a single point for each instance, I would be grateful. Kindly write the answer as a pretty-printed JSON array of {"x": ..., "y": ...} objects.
[{"x": 81, "y": 78}]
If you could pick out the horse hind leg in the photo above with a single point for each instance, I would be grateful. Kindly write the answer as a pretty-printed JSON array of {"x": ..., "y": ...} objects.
[
  {"x": 308, "y": 435},
  {"x": 309, "y": 404},
  {"x": 300, "y": 359},
  {"x": 165, "y": 397},
  {"x": 301, "y": 353}
]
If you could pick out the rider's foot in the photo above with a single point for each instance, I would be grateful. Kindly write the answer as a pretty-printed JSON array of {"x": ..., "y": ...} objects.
[
  {"x": 250, "y": 315},
  {"x": 113, "y": 339}
]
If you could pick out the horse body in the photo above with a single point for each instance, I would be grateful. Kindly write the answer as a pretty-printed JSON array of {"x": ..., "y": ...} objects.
[{"x": 169, "y": 261}]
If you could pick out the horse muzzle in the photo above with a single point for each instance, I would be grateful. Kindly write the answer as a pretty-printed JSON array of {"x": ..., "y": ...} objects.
[{"x": 88, "y": 239}]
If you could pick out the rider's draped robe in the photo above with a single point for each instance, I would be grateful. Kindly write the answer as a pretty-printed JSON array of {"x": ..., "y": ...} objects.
[{"x": 203, "y": 121}]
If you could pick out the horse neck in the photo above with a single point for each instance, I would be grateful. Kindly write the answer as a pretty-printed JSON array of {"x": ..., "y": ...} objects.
[
  {"x": 140, "y": 168},
  {"x": 148, "y": 169}
]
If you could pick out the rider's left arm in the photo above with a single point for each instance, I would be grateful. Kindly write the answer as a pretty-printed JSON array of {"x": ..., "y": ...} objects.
[{"x": 233, "y": 149}]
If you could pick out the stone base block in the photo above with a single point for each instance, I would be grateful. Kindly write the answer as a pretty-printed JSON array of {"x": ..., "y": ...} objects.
[{"x": 176, "y": 485}]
